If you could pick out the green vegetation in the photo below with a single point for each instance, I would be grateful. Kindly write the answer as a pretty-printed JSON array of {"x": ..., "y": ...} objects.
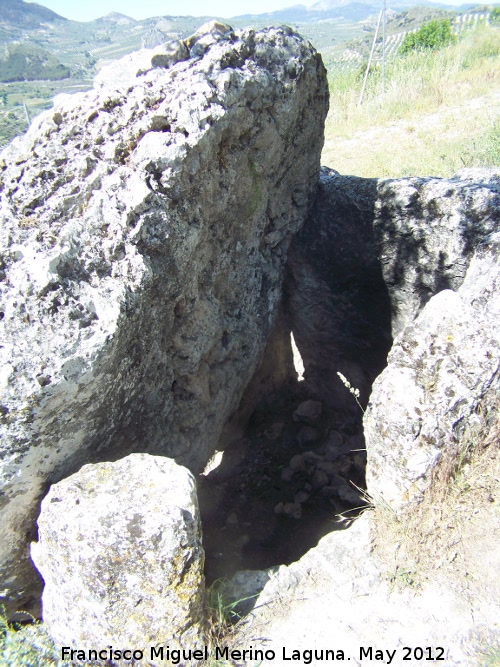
[
  {"x": 431, "y": 36},
  {"x": 491, "y": 657},
  {"x": 28, "y": 646},
  {"x": 223, "y": 610},
  {"x": 23, "y": 62},
  {"x": 440, "y": 112},
  {"x": 495, "y": 16}
]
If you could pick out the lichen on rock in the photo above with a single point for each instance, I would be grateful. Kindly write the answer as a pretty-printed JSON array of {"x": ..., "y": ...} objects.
[{"x": 119, "y": 549}]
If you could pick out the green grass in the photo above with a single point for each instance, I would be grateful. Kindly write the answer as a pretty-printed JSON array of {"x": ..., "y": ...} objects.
[
  {"x": 490, "y": 657},
  {"x": 439, "y": 112}
]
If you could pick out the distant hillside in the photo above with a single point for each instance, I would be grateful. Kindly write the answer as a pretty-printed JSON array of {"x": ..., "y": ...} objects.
[
  {"x": 19, "y": 14},
  {"x": 335, "y": 10},
  {"x": 25, "y": 62},
  {"x": 117, "y": 18},
  {"x": 352, "y": 11}
]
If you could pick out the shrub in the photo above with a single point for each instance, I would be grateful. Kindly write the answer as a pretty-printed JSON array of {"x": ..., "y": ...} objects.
[
  {"x": 431, "y": 36},
  {"x": 495, "y": 16}
]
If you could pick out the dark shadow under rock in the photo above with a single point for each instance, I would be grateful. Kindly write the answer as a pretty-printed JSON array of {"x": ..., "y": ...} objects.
[{"x": 335, "y": 294}]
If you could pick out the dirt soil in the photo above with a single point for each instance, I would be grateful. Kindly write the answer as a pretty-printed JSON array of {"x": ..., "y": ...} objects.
[
  {"x": 426, "y": 579},
  {"x": 256, "y": 511},
  {"x": 452, "y": 539}
]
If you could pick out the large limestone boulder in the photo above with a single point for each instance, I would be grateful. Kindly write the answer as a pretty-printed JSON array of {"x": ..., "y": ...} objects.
[
  {"x": 144, "y": 227},
  {"x": 119, "y": 548},
  {"x": 438, "y": 397}
]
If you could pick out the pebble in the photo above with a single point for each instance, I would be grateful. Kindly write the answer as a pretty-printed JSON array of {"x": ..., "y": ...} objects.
[
  {"x": 232, "y": 519},
  {"x": 301, "y": 497},
  {"x": 319, "y": 479},
  {"x": 274, "y": 431},
  {"x": 307, "y": 435},
  {"x": 343, "y": 465},
  {"x": 308, "y": 412},
  {"x": 293, "y": 510},
  {"x": 328, "y": 467},
  {"x": 346, "y": 492},
  {"x": 297, "y": 463},
  {"x": 312, "y": 457}
]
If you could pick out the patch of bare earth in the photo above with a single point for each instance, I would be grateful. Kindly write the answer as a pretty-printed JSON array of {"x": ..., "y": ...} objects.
[{"x": 451, "y": 540}]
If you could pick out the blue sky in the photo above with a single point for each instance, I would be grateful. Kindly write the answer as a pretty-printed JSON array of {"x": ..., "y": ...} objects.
[{"x": 88, "y": 10}]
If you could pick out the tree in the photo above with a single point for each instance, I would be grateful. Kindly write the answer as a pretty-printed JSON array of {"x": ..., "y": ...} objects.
[{"x": 429, "y": 37}]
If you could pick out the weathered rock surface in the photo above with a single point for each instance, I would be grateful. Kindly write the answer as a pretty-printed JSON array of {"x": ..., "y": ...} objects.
[
  {"x": 341, "y": 597},
  {"x": 370, "y": 256},
  {"x": 440, "y": 393},
  {"x": 120, "y": 552},
  {"x": 144, "y": 229}
]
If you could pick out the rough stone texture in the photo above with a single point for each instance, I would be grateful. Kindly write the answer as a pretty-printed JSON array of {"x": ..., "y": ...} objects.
[
  {"x": 367, "y": 260},
  {"x": 440, "y": 394},
  {"x": 120, "y": 552},
  {"x": 144, "y": 228},
  {"x": 339, "y": 597}
]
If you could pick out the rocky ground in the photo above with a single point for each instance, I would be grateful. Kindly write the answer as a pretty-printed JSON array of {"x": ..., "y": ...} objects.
[
  {"x": 422, "y": 581},
  {"x": 282, "y": 486}
]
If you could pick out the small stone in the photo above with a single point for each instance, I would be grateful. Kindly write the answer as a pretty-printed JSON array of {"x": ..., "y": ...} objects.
[
  {"x": 160, "y": 124},
  {"x": 275, "y": 431},
  {"x": 349, "y": 496},
  {"x": 312, "y": 458},
  {"x": 43, "y": 380},
  {"x": 335, "y": 439},
  {"x": 279, "y": 508},
  {"x": 174, "y": 52},
  {"x": 297, "y": 463},
  {"x": 301, "y": 497},
  {"x": 307, "y": 435},
  {"x": 319, "y": 479},
  {"x": 327, "y": 467},
  {"x": 293, "y": 510},
  {"x": 342, "y": 465},
  {"x": 308, "y": 412},
  {"x": 232, "y": 519},
  {"x": 359, "y": 461},
  {"x": 57, "y": 118},
  {"x": 286, "y": 475}
]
